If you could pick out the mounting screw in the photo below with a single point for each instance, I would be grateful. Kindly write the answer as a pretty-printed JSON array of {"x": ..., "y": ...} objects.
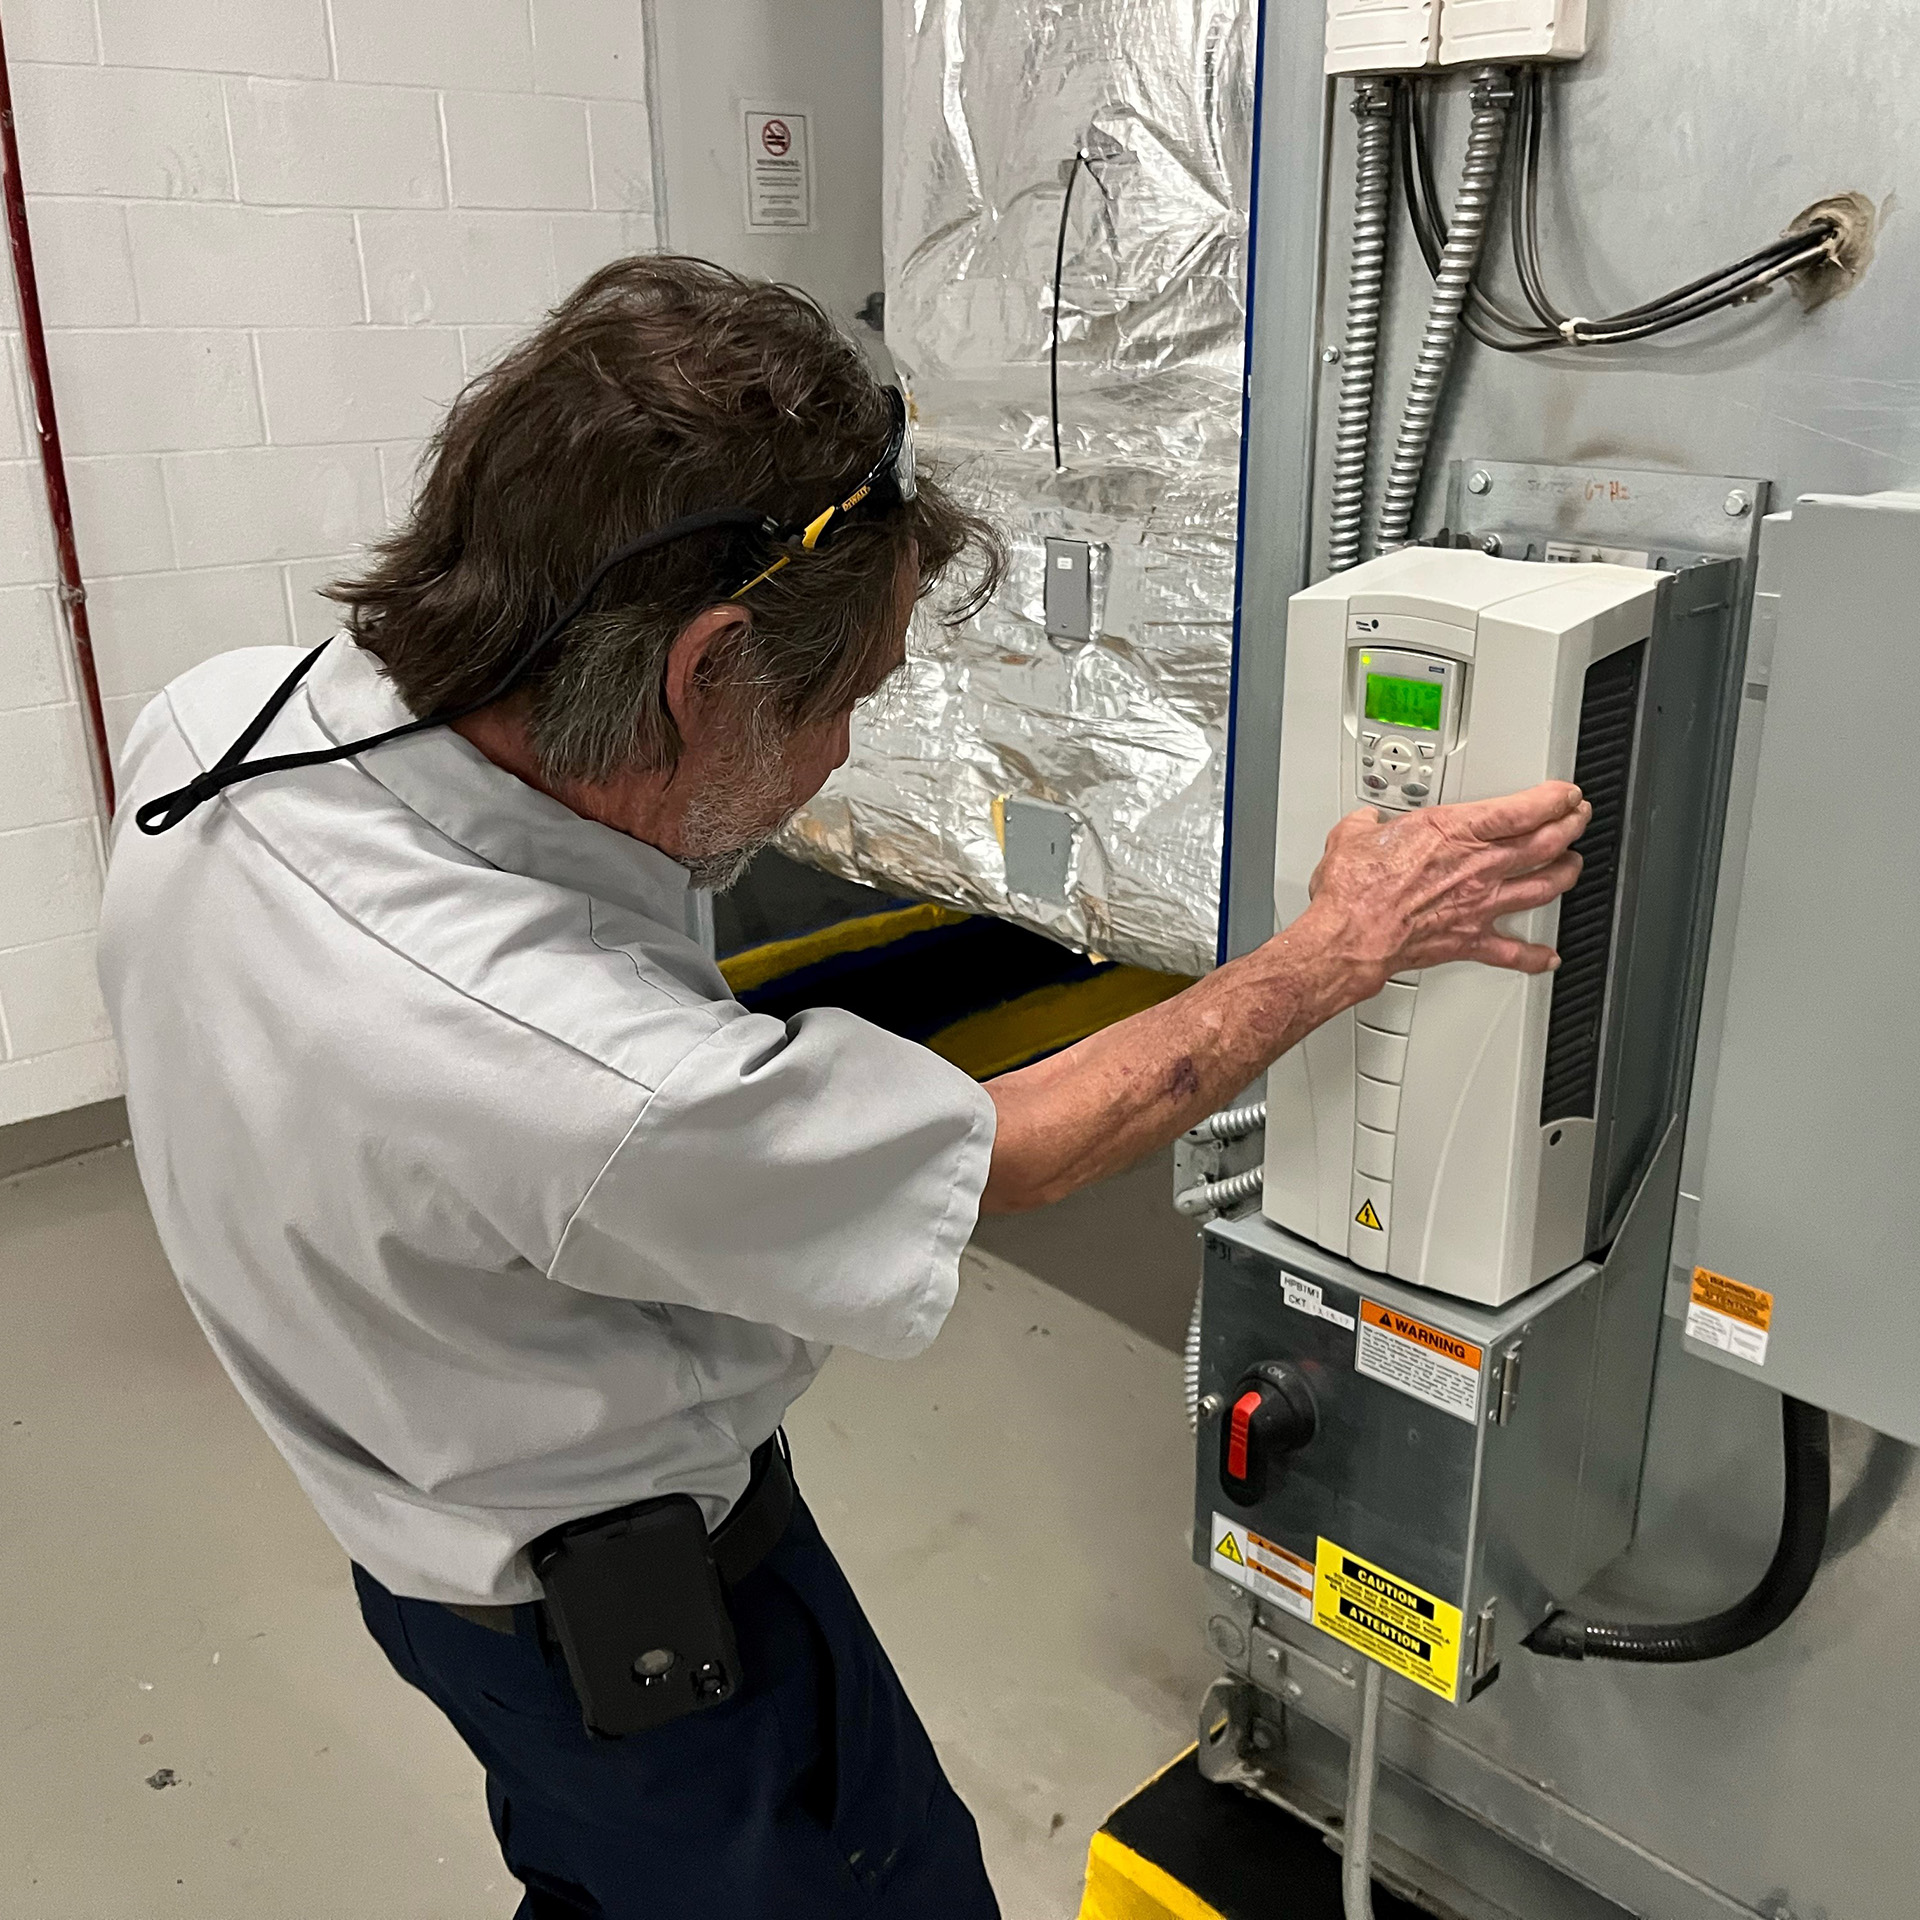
[
  {"x": 1330, "y": 356},
  {"x": 1479, "y": 481},
  {"x": 1738, "y": 505},
  {"x": 1212, "y": 1406},
  {"x": 1491, "y": 544}
]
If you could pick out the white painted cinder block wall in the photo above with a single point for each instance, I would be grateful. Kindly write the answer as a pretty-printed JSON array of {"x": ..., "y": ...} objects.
[{"x": 274, "y": 238}]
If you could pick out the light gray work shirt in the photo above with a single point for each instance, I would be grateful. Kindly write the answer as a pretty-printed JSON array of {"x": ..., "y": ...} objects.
[{"x": 496, "y": 1205}]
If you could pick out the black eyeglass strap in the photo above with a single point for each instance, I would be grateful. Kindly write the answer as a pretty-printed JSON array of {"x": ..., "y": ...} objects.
[{"x": 169, "y": 809}]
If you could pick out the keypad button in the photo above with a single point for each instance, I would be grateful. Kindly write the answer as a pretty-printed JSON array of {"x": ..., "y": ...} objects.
[
  {"x": 1373, "y": 1153},
  {"x": 1375, "y": 784},
  {"x": 1425, "y": 751},
  {"x": 1390, "y": 1010},
  {"x": 1376, "y": 1103},
  {"x": 1414, "y": 791},
  {"x": 1380, "y": 1056}
]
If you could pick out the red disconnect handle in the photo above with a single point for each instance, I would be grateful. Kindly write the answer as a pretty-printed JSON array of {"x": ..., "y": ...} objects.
[{"x": 1243, "y": 1411}]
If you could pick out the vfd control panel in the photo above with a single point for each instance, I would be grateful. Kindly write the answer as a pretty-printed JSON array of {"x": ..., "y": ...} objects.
[
  {"x": 1404, "y": 709},
  {"x": 1473, "y": 1130}
]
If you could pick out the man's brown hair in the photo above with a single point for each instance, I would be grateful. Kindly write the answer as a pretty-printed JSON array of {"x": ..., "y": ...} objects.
[{"x": 662, "y": 387}]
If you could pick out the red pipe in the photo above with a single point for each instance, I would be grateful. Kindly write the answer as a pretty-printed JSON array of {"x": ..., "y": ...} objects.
[{"x": 72, "y": 588}]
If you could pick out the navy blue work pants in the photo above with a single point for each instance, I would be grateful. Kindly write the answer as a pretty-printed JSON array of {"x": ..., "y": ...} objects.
[{"x": 812, "y": 1794}]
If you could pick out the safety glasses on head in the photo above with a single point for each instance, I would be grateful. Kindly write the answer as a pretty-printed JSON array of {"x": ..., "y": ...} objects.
[{"x": 888, "y": 484}]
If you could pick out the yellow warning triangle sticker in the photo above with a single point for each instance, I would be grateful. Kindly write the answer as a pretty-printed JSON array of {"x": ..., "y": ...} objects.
[
  {"x": 1230, "y": 1547},
  {"x": 1368, "y": 1218}
]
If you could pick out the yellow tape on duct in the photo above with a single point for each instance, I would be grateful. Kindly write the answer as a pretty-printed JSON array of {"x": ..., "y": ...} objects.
[
  {"x": 757, "y": 965},
  {"x": 1002, "y": 1038}
]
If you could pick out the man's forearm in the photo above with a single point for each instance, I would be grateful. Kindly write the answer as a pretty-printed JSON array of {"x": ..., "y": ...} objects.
[{"x": 1097, "y": 1108}]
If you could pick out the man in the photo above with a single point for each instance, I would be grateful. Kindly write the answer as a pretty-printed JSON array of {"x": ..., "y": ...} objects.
[{"x": 502, "y": 1214}]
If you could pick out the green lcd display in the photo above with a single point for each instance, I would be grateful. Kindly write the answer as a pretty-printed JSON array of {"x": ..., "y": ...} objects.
[{"x": 1404, "y": 703}]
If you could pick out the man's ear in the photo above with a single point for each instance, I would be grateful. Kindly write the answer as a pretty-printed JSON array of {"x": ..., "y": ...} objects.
[{"x": 690, "y": 660}]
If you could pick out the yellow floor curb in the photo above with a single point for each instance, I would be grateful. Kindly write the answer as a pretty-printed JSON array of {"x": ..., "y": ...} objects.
[{"x": 1124, "y": 1885}]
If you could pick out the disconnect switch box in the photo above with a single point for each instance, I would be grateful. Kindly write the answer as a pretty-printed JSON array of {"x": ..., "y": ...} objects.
[
  {"x": 1485, "y": 32},
  {"x": 1381, "y": 36}
]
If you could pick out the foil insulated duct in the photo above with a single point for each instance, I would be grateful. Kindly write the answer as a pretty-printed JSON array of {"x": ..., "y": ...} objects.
[{"x": 1124, "y": 729}]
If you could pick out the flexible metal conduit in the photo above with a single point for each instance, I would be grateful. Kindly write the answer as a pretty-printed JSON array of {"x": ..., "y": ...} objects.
[
  {"x": 71, "y": 587},
  {"x": 1191, "y": 1375},
  {"x": 1360, "y": 355},
  {"x": 1479, "y": 186},
  {"x": 1236, "y": 1122},
  {"x": 1805, "y": 1444},
  {"x": 1215, "y": 1196}
]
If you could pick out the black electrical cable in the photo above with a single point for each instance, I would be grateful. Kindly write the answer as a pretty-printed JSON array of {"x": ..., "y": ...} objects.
[
  {"x": 1803, "y": 1539},
  {"x": 1681, "y": 306},
  {"x": 1483, "y": 313},
  {"x": 1495, "y": 325},
  {"x": 1080, "y": 159}
]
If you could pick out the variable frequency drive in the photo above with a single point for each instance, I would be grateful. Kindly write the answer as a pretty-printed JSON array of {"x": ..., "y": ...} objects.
[{"x": 1477, "y": 1131}]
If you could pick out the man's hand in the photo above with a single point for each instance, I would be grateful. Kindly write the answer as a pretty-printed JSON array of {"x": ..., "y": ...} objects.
[
  {"x": 1398, "y": 892},
  {"x": 1393, "y": 894}
]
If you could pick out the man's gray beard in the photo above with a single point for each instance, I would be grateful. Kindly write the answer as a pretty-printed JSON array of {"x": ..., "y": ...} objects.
[
  {"x": 735, "y": 818},
  {"x": 718, "y": 872}
]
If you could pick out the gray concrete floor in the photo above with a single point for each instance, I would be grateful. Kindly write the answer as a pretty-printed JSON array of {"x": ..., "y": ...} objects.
[{"x": 1012, "y": 1508}]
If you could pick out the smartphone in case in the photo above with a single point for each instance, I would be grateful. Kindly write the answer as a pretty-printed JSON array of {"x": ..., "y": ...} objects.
[{"x": 641, "y": 1616}]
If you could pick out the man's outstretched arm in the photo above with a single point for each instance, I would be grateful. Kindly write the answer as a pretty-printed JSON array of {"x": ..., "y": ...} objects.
[{"x": 1393, "y": 894}]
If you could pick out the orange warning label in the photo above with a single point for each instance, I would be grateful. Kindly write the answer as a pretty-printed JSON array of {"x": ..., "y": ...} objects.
[
  {"x": 1733, "y": 1298},
  {"x": 1366, "y": 1217},
  {"x": 1462, "y": 1352},
  {"x": 1730, "y": 1316},
  {"x": 1399, "y": 1351}
]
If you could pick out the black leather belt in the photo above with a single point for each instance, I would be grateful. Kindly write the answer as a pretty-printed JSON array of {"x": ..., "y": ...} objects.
[{"x": 741, "y": 1541}]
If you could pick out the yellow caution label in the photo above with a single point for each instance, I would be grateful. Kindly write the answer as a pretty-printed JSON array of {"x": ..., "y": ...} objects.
[
  {"x": 1229, "y": 1549},
  {"x": 1366, "y": 1217},
  {"x": 1409, "y": 1631}
]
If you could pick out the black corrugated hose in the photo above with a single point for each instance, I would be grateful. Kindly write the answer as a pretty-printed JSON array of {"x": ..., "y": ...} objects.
[{"x": 1803, "y": 1539}]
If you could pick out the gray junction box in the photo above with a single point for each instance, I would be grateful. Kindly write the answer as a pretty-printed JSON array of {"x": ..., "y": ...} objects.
[{"x": 1795, "y": 1258}]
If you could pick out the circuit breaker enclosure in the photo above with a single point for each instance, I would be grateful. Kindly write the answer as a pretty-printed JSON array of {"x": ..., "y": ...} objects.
[
  {"x": 1801, "y": 1210},
  {"x": 1471, "y": 1465}
]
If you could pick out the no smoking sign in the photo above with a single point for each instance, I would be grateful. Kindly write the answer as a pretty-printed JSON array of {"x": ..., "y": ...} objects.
[{"x": 779, "y": 171}]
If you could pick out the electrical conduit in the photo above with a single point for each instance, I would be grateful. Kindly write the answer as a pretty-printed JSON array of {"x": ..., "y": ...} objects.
[
  {"x": 1796, "y": 1559},
  {"x": 71, "y": 587},
  {"x": 1360, "y": 355},
  {"x": 1363, "y": 1773},
  {"x": 1466, "y": 237}
]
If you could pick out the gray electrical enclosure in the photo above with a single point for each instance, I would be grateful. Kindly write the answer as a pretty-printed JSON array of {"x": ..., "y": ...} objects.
[
  {"x": 1039, "y": 848},
  {"x": 1067, "y": 599},
  {"x": 1808, "y": 1203}
]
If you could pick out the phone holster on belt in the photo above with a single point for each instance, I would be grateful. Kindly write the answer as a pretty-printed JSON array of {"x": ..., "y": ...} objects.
[{"x": 636, "y": 1602}]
